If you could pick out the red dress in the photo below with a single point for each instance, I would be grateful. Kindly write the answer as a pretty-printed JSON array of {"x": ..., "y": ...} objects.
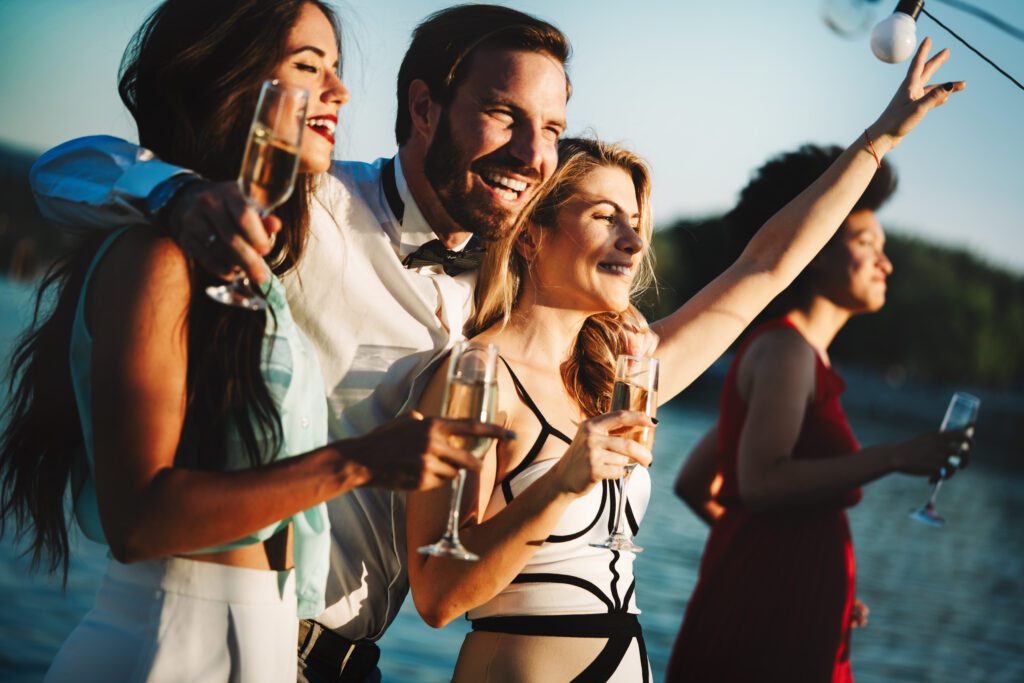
[{"x": 775, "y": 592}]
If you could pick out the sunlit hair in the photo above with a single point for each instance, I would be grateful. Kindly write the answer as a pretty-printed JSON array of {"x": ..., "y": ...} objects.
[
  {"x": 190, "y": 77},
  {"x": 443, "y": 46},
  {"x": 588, "y": 372}
]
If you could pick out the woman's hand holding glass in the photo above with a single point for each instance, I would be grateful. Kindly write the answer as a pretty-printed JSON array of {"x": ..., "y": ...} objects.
[
  {"x": 471, "y": 393},
  {"x": 955, "y": 439},
  {"x": 267, "y": 176},
  {"x": 930, "y": 454},
  {"x": 414, "y": 452},
  {"x": 598, "y": 452}
]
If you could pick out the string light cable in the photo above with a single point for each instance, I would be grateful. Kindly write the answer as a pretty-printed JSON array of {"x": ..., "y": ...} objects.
[{"x": 995, "y": 21}]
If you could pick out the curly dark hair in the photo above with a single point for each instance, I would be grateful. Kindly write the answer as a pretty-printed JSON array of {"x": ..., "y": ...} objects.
[{"x": 778, "y": 182}]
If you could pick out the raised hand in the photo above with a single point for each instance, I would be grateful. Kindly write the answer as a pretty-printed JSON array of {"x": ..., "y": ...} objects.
[
  {"x": 915, "y": 97},
  {"x": 596, "y": 453},
  {"x": 416, "y": 453},
  {"x": 213, "y": 223}
]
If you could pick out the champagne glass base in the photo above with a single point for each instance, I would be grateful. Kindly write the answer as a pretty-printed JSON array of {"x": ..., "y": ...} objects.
[
  {"x": 926, "y": 514},
  {"x": 619, "y": 542},
  {"x": 234, "y": 296},
  {"x": 448, "y": 547}
]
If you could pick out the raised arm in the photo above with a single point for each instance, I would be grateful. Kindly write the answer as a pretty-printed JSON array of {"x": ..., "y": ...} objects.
[
  {"x": 442, "y": 588},
  {"x": 777, "y": 377},
  {"x": 101, "y": 183},
  {"x": 704, "y": 327},
  {"x": 696, "y": 479}
]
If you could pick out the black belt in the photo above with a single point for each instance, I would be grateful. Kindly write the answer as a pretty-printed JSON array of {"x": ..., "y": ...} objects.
[
  {"x": 603, "y": 625},
  {"x": 620, "y": 628},
  {"x": 335, "y": 657}
]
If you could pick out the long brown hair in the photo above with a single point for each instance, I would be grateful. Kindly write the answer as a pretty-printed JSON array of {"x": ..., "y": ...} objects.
[
  {"x": 190, "y": 77},
  {"x": 589, "y": 371}
]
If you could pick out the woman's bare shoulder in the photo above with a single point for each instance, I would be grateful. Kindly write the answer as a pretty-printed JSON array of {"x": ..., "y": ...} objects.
[{"x": 142, "y": 271}]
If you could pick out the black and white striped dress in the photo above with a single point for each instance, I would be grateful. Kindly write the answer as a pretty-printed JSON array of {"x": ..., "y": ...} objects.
[{"x": 569, "y": 588}]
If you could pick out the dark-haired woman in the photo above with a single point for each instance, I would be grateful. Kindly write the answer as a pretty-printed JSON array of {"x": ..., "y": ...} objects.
[
  {"x": 775, "y": 599},
  {"x": 192, "y": 433},
  {"x": 547, "y": 605}
]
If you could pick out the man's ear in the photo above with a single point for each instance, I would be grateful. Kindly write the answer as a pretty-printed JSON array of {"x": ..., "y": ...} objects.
[{"x": 423, "y": 110}]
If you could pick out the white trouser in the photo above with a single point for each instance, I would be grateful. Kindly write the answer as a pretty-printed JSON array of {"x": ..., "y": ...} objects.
[{"x": 182, "y": 620}]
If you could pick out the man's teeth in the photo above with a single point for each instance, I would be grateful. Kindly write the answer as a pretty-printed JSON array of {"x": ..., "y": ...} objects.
[
  {"x": 516, "y": 185},
  {"x": 506, "y": 194},
  {"x": 621, "y": 270},
  {"x": 326, "y": 124}
]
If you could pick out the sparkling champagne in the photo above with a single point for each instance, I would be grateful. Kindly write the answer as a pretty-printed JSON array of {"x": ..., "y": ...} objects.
[
  {"x": 626, "y": 396},
  {"x": 268, "y": 169},
  {"x": 477, "y": 400}
]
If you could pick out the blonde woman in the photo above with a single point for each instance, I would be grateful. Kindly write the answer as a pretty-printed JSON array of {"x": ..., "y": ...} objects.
[{"x": 545, "y": 604}]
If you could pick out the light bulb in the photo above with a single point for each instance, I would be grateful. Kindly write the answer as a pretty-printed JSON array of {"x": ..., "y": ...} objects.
[
  {"x": 850, "y": 18},
  {"x": 893, "y": 40}
]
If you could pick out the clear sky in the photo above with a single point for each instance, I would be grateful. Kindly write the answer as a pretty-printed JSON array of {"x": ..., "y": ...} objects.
[{"x": 705, "y": 90}]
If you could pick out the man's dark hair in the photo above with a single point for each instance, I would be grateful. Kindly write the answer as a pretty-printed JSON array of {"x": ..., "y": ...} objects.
[
  {"x": 442, "y": 47},
  {"x": 777, "y": 183}
]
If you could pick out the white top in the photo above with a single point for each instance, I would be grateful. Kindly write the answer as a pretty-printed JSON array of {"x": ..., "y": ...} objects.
[
  {"x": 376, "y": 327},
  {"x": 567, "y": 575}
]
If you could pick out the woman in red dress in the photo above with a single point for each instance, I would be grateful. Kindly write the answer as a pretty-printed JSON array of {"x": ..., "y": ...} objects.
[{"x": 775, "y": 597}]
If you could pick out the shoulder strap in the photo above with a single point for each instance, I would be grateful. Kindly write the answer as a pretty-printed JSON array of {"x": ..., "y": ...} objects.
[
  {"x": 104, "y": 246},
  {"x": 525, "y": 397},
  {"x": 545, "y": 430}
]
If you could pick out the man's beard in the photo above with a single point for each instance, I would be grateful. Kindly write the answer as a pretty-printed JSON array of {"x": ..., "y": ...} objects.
[{"x": 447, "y": 166}]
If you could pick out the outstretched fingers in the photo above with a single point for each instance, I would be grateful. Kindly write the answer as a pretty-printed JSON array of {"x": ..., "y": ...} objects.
[
  {"x": 937, "y": 95},
  {"x": 933, "y": 65},
  {"x": 915, "y": 73}
]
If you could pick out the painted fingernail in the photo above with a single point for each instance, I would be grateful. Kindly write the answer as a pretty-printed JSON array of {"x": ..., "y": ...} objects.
[
  {"x": 509, "y": 434},
  {"x": 949, "y": 86},
  {"x": 654, "y": 420}
]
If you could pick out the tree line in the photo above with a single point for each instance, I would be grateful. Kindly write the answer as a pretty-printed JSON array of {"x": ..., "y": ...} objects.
[{"x": 949, "y": 315}]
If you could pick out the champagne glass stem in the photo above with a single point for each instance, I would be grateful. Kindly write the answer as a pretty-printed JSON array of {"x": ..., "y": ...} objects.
[
  {"x": 935, "y": 492},
  {"x": 622, "y": 504},
  {"x": 452, "y": 532}
]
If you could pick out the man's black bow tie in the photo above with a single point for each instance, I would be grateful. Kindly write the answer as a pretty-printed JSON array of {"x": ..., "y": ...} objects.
[{"x": 453, "y": 262}]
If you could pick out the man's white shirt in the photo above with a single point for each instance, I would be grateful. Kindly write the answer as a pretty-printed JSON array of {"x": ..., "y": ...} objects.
[{"x": 377, "y": 328}]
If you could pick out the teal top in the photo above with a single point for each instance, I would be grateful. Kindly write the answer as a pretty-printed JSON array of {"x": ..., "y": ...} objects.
[{"x": 292, "y": 373}]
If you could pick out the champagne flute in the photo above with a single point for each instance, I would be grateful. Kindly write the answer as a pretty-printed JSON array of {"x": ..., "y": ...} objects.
[
  {"x": 636, "y": 388},
  {"x": 267, "y": 177},
  {"x": 471, "y": 391},
  {"x": 962, "y": 412}
]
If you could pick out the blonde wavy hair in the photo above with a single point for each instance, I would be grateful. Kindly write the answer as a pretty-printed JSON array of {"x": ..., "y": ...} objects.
[{"x": 589, "y": 370}]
